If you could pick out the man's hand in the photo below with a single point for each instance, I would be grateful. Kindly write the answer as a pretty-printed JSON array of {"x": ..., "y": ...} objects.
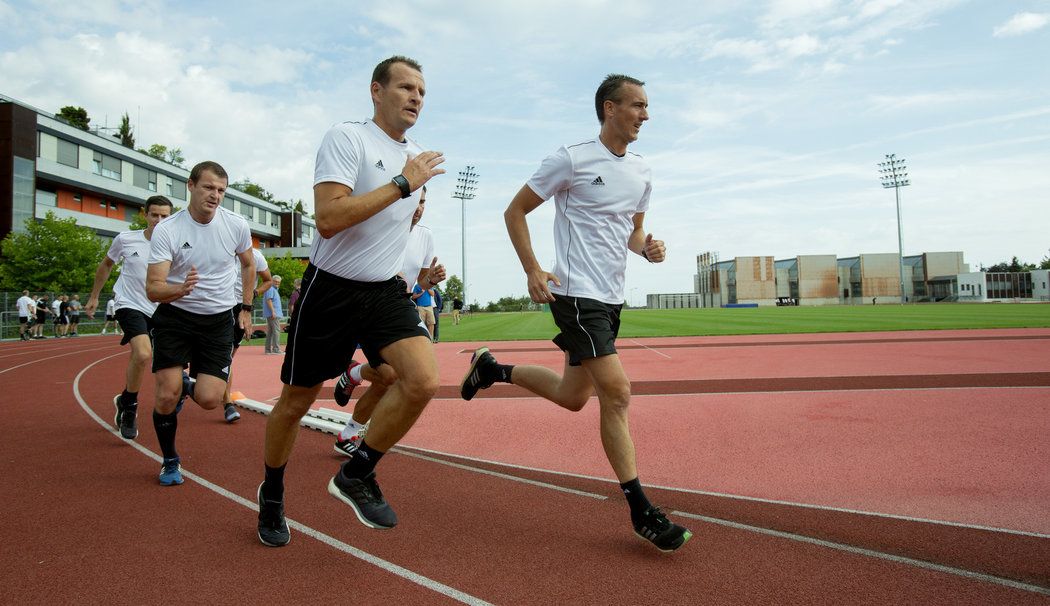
[
  {"x": 436, "y": 274},
  {"x": 189, "y": 283},
  {"x": 420, "y": 169},
  {"x": 654, "y": 250},
  {"x": 245, "y": 321},
  {"x": 90, "y": 308},
  {"x": 539, "y": 292}
]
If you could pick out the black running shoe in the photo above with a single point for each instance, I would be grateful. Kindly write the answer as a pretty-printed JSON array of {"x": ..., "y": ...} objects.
[
  {"x": 658, "y": 530},
  {"x": 346, "y": 384},
  {"x": 481, "y": 374},
  {"x": 129, "y": 429},
  {"x": 364, "y": 496},
  {"x": 273, "y": 529}
]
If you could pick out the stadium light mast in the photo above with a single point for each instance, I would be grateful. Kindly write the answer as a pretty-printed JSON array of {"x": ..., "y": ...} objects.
[
  {"x": 894, "y": 173},
  {"x": 466, "y": 185}
]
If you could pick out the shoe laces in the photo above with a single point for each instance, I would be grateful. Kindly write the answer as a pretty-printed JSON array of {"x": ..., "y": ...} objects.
[
  {"x": 369, "y": 490},
  {"x": 655, "y": 520}
]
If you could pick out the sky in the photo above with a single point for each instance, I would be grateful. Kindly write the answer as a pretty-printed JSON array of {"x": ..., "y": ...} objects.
[{"x": 767, "y": 119}]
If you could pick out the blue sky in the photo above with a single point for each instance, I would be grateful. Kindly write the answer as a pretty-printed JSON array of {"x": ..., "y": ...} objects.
[{"x": 767, "y": 118}]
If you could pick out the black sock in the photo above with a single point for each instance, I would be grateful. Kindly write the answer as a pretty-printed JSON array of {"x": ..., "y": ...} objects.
[
  {"x": 503, "y": 372},
  {"x": 636, "y": 498},
  {"x": 129, "y": 398},
  {"x": 273, "y": 484},
  {"x": 362, "y": 463},
  {"x": 166, "y": 426}
]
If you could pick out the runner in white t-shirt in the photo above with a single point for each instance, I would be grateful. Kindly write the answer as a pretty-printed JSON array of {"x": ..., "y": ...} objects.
[
  {"x": 192, "y": 270},
  {"x": 26, "y": 310},
  {"x": 363, "y": 218},
  {"x": 262, "y": 269},
  {"x": 111, "y": 316},
  {"x": 601, "y": 193},
  {"x": 131, "y": 308}
]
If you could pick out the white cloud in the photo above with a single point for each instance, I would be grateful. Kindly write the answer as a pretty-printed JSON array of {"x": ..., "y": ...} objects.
[{"x": 1021, "y": 23}]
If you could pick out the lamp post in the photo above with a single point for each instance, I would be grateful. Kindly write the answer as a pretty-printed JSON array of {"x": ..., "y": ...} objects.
[
  {"x": 894, "y": 173},
  {"x": 466, "y": 185}
]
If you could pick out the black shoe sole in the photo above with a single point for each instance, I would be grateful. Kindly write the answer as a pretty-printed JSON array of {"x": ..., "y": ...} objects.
[
  {"x": 684, "y": 539},
  {"x": 473, "y": 366},
  {"x": 333, "y": 489},
  {"x": 259, "y": 500}
]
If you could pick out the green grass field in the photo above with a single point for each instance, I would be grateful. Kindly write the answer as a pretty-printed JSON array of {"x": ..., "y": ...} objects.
[
  {"x": 515, "y": 326},
  {"x": 761, "y": 320}
]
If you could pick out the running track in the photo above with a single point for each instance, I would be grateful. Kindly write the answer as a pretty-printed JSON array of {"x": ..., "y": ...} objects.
[{"x": 883, "y": 468}]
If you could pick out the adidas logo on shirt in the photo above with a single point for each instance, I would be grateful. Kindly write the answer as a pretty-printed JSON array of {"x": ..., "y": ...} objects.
[
  {"x": 186, "y": 245},
  {"x": 135, "y": 254},
  {"x": 598, "y": 181},
  {"x": 380, "y": 166}
]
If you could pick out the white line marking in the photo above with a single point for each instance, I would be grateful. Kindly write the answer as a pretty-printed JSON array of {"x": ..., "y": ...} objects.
[
  {"x": 503, "y": 475},
  {"x": 651, "y": 349},
  {"x": 767, "y": 392},
  {"x": 739, "y": 497},
  {"x": 71, "y": 353},
  {"x": 871, "y": 553},
  {"x": 390, "y": 567}
]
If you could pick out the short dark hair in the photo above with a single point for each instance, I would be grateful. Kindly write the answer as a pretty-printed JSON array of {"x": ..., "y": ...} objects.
[
  {"x": 157, "y": 201},
  {"x": 610, "y": 91},
  {"x": 212, "y": 167},
  {"x": 381, "y": 73}
]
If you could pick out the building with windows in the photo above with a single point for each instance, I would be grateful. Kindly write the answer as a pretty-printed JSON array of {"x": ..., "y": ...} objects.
[{"x": 46, "y": 165}]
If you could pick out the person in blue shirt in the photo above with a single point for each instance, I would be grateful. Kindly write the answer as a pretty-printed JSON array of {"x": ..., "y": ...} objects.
[
  {"x": 273, "y": 313},
  {"x": 425, "y": 306}
]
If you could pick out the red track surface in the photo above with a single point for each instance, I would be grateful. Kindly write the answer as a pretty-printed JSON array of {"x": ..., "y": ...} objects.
[{"x": 869, "y": 442}]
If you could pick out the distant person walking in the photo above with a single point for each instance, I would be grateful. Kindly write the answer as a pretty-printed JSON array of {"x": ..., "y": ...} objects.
[
  {"x": 42, "y": 309},
  {"x": 273, "y": 313},
  {"x": 74, "y": 316},
  {"x": 457, "y": 309},
  {"x": 26, "y": 312}
]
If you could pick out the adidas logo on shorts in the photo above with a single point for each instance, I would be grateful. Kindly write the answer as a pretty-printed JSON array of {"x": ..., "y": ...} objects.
[{"x": 598, "y": 181}]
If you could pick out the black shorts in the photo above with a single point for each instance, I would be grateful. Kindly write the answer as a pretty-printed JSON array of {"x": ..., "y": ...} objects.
[
  {"x": 238, "y": 332},
  {"x": 23, "y": 319},
  {"x": 204, "y": 341},
  {"x": 110, "y": 318},
  {"x": 134, "y": 323},
  {"x": 74, "y": 319},
  {"x": 333, "y": 313},
  {"x": 588, "y": 327},
  {"x": 41, "y": 317}
]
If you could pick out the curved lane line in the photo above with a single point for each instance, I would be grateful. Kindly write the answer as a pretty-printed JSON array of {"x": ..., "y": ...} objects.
[
  {"x": 390, "y": 567},
  {"x": 71, "y": 353}
]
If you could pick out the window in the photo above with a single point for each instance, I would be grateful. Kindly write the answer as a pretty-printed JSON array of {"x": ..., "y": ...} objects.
[
  {"x": 275, "y": 220},
  {"x": 227, "y": 203},
  {"x": 113, "y": 206},
  {"x": 107, "y": 166},
  {"x": 130, "y": 212},
  {"x": 68, "y": 153},
  {"x": 22, "y": 198},
  {"x": 46, "y": 198},
  {"x": 248, "y": 211},
  {"x": 78, "y": 198},
  {"x": 145, "y": 178},
  {"x": 177, "y": 189}
]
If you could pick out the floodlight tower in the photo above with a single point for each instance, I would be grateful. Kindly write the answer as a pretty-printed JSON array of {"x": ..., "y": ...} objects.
[
  {"x": 894, "y": 173},
  {"x": 466, "y": 185}
]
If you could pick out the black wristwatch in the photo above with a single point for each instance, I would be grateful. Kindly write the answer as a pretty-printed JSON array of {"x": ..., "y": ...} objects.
[
  {"x": 402, "y": 183},
  {"x": 248, "y": 307}
]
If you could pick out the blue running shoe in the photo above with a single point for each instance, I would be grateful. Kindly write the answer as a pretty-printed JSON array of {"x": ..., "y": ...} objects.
[{"x": 171, "y": 472}]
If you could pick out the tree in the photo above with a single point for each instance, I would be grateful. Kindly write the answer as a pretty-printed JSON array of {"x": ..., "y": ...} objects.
[
  {"x": 289, "y": 269},
  {"x": 174, "y": 156},
  {"x": 157, "y": 151},
  {"x": 253, "y": 189},
  {"x": 512, "y": 304},
  {"x": 53, "y": 254},
  {"x": 1045, "y": 264},
  {"x": 125, "y": 132},
  {"x": 454, "y": 288},
  {"x": 1013, "y": 266},
  {"x": 75, "y": 116}
]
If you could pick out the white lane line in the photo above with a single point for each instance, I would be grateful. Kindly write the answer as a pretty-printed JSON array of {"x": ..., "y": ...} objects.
[
  {"x": 738, "y": 497},
  {"x": 390, "y": 567},
  {"x": 694, "y": 394},
  {"x": 871, "y": 553},
  {"x": 71, "y": 353},
  {"x": 502, "y": 475},
  {"x": 651, "y": 349}
]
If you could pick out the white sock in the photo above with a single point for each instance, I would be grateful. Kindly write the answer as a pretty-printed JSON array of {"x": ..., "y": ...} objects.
[
  {"x": 351, "y": 429},
  {"x": 355, "y": 373}
]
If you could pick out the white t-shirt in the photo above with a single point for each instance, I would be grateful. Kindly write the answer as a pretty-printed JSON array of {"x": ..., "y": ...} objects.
[
  {"x": 56, "y": 306},
  {"x": 418, "y": 254},
  {"x": 260, "y": 266},
  {"x": 24, "y": 303},
  {"x": 132, "y": 249},
  {"x": 364, "y": 158},
  {"x": 111, "y": 307},
  {"x": 211, "y": 247},
  {"x": 596, "y": 194}
]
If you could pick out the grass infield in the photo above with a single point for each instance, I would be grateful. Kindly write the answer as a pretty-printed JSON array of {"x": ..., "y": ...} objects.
[{"x": 761, "y": 320}]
